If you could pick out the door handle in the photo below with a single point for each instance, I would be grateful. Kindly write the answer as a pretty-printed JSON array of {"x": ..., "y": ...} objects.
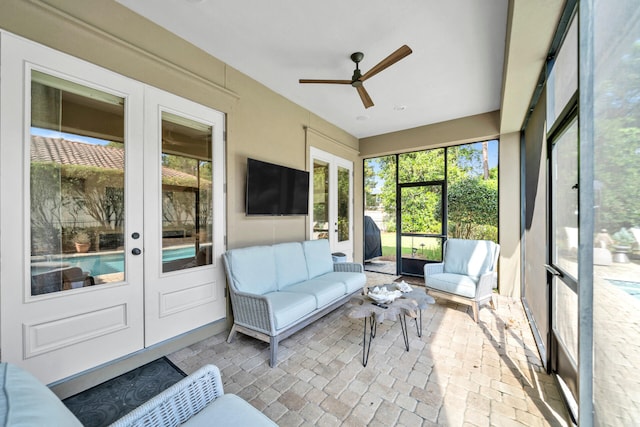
[
  {"x": 136, "y": 251},
  {"x": 552, "y": 270}
]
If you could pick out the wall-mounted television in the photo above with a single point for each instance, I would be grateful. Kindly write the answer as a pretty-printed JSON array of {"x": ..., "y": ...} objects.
[{"x": 276, "y": 190}]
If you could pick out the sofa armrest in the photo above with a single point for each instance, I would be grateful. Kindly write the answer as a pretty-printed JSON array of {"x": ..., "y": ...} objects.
[
  {"x": 349, "y": 267},
  {"x": 485, "y": 285},
  {"x": 253, "y": 311},
  {"x": 433, "y": 268},
  {"x": 179, "y": 402}
]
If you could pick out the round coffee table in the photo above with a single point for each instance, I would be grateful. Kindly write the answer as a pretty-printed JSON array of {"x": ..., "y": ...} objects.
[
  {"x": 363, "y": 307},
  {"x": 421, "y": 297}
]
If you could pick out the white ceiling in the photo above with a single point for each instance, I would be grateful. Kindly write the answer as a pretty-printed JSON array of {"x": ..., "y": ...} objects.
[{"x": 455, "y": 69}]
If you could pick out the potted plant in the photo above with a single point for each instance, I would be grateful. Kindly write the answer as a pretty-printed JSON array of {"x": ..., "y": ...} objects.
[
  {"x": 82, "y": 242},
  {"x": 623, "y": 239}
]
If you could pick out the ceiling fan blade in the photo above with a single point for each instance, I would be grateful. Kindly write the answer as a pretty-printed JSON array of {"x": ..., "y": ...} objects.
[
  {"x": 387, "y": 62},
  {"x": 338, "y": 82},
  {"x": 364, "y": 96}
]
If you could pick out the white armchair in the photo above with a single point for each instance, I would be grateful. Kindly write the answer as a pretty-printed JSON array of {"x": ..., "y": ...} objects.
[{"x": 467, "y": 274}]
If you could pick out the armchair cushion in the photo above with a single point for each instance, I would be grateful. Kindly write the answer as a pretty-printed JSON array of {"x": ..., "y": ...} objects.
[
  {"x": 457, "y": 284},
  {"x": 469, "y": 257},
  {"x": 231, "y": 410}
]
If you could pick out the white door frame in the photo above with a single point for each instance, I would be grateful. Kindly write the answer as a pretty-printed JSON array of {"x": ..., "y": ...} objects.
[
  {"x": 77, "y": 329},
  {"x": 334, "y": 163},
  {"x": 181, "y": 300}
]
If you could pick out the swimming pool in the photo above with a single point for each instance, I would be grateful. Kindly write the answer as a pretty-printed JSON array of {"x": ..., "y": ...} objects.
[
  {"x": 632, "y": 288},
  {"x": 113, "y": 262}
]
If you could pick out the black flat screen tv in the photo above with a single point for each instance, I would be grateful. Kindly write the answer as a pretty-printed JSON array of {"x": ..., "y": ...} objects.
[{"x": 276, "y": 190}]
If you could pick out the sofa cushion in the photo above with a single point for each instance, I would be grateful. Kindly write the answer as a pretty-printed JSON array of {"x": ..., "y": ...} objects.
[
  {"x": 253, "y": 269},
  {"x": 318, "y": 257},
  {"x": 457, "y": 284},
  {"x": 291, "y": 266},
  {"x": 289, "y": 307},
  {"x": 469, "y": 257},
  {"x": 25, "y": 401},
  {"x": 324, "y": 290},
  {"x": 351, "y": 281},
  {"x": 230, "y": 410}
]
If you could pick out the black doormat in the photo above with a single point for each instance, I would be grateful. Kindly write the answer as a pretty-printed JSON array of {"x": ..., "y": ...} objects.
[{"x": 105, "y": 403}]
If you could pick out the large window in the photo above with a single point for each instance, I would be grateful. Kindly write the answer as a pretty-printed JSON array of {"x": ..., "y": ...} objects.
[
  {"x": 616, "y": 215},
  {"x": 429, "y": 196}
]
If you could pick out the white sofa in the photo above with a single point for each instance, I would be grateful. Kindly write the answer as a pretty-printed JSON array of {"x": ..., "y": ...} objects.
[{"x": 279, "y": 289}]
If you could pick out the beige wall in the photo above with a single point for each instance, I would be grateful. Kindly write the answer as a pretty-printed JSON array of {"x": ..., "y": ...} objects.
[
  {"x": 509, "y": 205},
  {"x": 260, "y": 123},
  {"x": 461, "y": 131}
]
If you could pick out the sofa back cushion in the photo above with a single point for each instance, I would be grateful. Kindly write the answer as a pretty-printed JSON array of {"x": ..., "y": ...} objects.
[
  {"x": 253, "y": 269},
  {"x": 291, "y": 266},
  {"x": 318, "y": 257},
  {"x": 469, "y": 257}
]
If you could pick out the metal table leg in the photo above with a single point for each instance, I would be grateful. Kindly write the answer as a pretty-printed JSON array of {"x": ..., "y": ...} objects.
[
  {"x": 403, "y": 325},
  {"x": 419, "y": 324},
  {"x": 366, "y": 348}
]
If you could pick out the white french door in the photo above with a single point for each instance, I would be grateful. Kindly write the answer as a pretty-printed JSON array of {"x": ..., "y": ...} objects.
[
  {"x": 111, "y": 213},
  {"x": 184, "y": 215},
  {"x": 331, "y": 201},
  {"x": 68, "y": 147}
]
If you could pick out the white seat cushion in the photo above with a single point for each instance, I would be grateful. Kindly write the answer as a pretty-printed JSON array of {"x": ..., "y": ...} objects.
[
  {"x": 229, "y": 410},
  {"x": 289, "y": 307},
  {"x": 457, "y": 284}
]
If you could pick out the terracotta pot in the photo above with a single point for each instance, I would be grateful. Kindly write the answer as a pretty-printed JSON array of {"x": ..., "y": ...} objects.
[{"x": 83, "y": 247}]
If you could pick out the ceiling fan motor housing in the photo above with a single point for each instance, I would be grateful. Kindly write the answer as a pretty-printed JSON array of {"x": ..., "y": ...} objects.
[{"x": 357, "y": 74}]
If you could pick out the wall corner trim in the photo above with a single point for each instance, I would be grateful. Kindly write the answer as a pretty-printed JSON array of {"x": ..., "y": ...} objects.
[
  {"x": 309, "y": 129},
  {"x": 44, "y": 5}
]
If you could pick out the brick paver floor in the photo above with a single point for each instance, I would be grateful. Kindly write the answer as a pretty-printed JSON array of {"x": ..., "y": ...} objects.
[{"x": 458, "y": 373}]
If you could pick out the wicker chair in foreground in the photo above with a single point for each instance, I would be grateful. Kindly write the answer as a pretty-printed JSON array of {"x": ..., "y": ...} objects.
[{"x": 197, "y": 400}]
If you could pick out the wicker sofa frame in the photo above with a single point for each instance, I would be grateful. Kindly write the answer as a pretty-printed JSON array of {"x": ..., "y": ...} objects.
[{"x": 253, "y": 314}]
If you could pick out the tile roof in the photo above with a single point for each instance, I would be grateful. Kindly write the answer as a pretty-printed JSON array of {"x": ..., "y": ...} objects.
[{"x": 66, "y": 152}]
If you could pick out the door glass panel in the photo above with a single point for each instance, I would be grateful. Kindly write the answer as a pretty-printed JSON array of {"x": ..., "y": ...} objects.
[
  {"x": 343, "y": 203},
  {"x": 422, "y": 248},
  {"x": 420, "y": 227},
  {"x": 564, "y": 201},
  {"x": 562, "y": 82},
  {"x": 320, "y": 200},
  {"x": 422, "y": 209},
  {"x": 187, "y": 207},
  {"x": 565, "y": 318},
  {"x": 77, "y": 211},
  {"x": 564, "y": 249},
  {"x": 380, "y": 214}
]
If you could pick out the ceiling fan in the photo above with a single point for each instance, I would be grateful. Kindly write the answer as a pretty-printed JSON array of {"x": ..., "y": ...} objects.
[{"x": 358, "y": 78}]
